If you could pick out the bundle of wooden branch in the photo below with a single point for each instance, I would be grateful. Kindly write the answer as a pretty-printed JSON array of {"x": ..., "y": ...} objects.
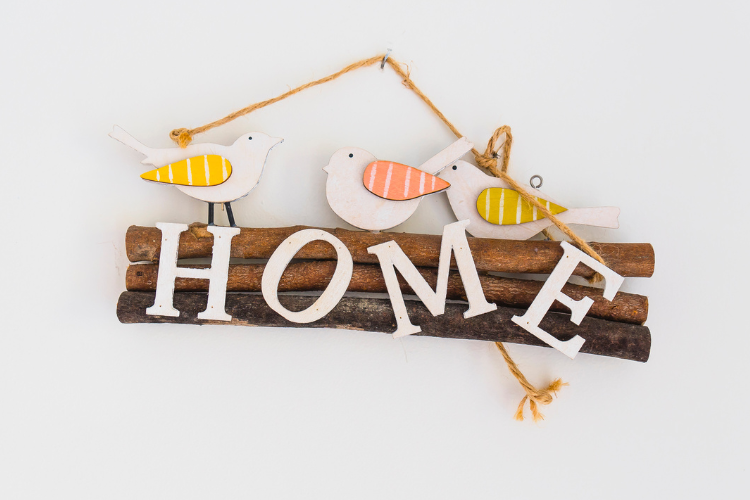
[{"x": 611, "y": 328}]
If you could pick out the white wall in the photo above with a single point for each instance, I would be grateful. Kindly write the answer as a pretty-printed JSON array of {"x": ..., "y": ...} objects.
[{"x": 639, "y": 104}]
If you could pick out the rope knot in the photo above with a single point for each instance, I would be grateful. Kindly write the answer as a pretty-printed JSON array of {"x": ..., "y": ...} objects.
[
  {"x": 181, "y": 136},
  {"x": 487, "y": 160},
  {"x": 534, "y": 396},
  {"x": 491, "y": 159},
  {"x": 538, "y": 397}
]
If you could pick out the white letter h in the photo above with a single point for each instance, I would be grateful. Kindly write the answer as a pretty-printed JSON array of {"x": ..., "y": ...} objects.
[{"x": 217, "y": 274}]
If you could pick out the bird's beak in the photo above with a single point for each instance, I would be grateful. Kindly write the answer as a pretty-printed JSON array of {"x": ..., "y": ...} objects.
[{"x": 325, "y": 169}]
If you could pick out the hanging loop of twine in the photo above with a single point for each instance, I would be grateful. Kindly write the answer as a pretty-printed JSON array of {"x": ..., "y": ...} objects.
[{"x": 487, "y": 160}]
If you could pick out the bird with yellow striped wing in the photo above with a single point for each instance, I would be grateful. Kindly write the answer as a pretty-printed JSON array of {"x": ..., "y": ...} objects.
[
  {"x": 213, "y": 173},
  {"x": 497, "y": 211}
]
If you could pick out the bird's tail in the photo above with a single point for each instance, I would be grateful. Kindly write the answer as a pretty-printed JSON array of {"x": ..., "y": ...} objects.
[
  {"x": 127, "y": 139},
  {"x": 597, "y": 216},
  {"x": 447, "y": 156}
]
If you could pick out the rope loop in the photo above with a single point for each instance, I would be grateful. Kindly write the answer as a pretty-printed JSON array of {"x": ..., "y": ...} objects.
[{"x": 489, "y": 159}]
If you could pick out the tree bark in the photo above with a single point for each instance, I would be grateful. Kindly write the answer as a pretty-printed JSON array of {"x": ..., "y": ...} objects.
[
  {"x": 509, "y": 256},
  {"x": 315, "y": 276},
  {"x": 605, "y": 338}
]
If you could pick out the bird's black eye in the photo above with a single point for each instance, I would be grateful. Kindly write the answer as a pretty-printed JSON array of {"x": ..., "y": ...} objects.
[
  {"x": 249, "y": 138},
  {"x": 455, "y": 167},
  {"x": 351, "y": 155}
]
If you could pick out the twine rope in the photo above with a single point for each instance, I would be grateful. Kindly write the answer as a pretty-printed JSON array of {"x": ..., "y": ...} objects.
[
  {"x": 184, "y": 136},
  {"x": 535, "y": 397},
  {"x": 487, "y": 160}
]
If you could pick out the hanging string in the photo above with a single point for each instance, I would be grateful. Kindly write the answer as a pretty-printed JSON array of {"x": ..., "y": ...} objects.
[
  {"x": 487, "y": 160},
  {"x": 183, "y": 136}
]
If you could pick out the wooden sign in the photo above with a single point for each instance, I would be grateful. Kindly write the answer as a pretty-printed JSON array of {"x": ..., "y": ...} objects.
[
  {"x": 432, "y": 288},
  {"x": 376, "y": 195}
]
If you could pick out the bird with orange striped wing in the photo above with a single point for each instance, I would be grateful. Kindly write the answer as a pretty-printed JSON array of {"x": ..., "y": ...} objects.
[{"x": 378, "y": 195}]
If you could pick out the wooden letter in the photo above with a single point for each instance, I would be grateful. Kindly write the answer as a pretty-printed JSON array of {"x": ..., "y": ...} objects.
[
  {"x": 216, "y": 274},
  {"x": 552, "y": 290},
  {"x": 391, "y": 257},
  {"x": 281, "y": 258}
]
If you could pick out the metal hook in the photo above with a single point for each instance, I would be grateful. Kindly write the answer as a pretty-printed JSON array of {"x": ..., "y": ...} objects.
[
  {"x": 382, "y": 64},
  {"x": 539, "y": 178}
]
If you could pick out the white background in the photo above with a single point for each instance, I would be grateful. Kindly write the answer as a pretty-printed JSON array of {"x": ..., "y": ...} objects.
[{"x": 642, "y": 105}]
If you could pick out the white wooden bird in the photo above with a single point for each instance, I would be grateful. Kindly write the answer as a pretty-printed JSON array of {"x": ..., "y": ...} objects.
[
  {"x": 213, "y": 173},
  {"x": 497, "y": 211},
  {"x": 378, "y": 195}
]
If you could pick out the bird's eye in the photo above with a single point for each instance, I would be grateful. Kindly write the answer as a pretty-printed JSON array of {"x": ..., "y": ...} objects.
[
  {"x": 249, "y": 138},
  {"x": 351, "y": 155},
  {"x": 455, "y": 167}
]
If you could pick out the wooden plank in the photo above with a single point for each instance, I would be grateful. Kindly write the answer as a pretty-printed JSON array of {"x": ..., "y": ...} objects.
[
  {"x": 605, "y": 338},
  {"x": 316, "y": 275},
  {"x": 509, "y": 256}
]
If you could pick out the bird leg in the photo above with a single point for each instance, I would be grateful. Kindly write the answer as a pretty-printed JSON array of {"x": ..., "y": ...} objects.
[
  {"x": 230, "y": 215},
  {"x": 210, "y": 214}
]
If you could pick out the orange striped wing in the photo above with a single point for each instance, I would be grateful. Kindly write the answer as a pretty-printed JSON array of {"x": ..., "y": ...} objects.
[{"x": 397, "y": 182}]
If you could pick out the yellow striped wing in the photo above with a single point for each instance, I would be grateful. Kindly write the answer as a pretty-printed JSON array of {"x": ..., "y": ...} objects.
[
  {"x": 205, "y": 170},
  {"x": 503, "y": 206}
]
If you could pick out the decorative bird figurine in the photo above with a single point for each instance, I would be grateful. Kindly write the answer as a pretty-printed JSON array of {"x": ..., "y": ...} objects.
[
  {"x": 208, "y": 172},
  {"x": 378, "y": 195},
  {"x": 497, "y": 211}
]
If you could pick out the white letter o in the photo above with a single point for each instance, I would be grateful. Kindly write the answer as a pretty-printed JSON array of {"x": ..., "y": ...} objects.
[{"x": 281, "y": 258}]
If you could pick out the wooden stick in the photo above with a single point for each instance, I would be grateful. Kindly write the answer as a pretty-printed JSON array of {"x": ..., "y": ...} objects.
[
  {"x": 605, "y": 338},
  {"x": 509, "y": 256},
  {"x": 315, "y": 276}
]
